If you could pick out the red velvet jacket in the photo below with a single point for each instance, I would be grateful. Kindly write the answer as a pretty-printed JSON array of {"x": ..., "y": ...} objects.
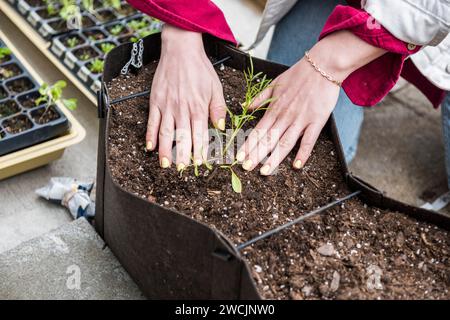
[{"x": 366, "y": 86}]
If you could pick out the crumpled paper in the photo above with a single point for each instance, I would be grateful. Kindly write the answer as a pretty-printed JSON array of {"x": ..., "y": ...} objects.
[{"x": 70, "y": 193}]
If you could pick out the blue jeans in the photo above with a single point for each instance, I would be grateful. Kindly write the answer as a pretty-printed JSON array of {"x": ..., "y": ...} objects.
[
  {"x": 297, "y": 32},
  {"x": 445, "y": 110}
]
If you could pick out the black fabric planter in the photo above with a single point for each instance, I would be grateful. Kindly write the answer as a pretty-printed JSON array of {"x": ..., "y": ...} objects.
[{"x": 170, "y": 255}]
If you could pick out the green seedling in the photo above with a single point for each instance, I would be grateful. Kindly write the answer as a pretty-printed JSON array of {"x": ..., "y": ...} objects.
[
  {"x": 5, "y": 52},
  {"x": 5, "y": 73},
  {"x": 142, "y": 34},
  {"x": 113, "y": 4},
  {"x": 72, "y": 42},
  {"x": 68, "y": 9},
  {"x": 52, "y": 7},
  {"x": 107, "y": 47},
  {"x": 116, "y": 30},
  {"x": 51, "y": 94},
  {"x": 85, "y": 56},
  {"x": 255, "y": 84},
  {"x": 97, "y": 65},
  {"x": 137, "y": 25}
]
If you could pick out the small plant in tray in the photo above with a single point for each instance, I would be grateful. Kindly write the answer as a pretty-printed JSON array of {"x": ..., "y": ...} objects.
[
  {"x": 96, "y": 66},
  {"x": 5, "y": 54},
  {"x": 72, "y": 42},
  {"x": 117, "y": 30},
  {"x": 106, "y": 47},
  {"x": 51, "y": 94}
]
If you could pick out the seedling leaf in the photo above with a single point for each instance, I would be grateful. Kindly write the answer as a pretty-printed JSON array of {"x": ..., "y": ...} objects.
[{"x": 235, "y": 182}]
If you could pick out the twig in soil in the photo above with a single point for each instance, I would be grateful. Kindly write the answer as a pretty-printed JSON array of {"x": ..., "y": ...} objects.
[
  {"x": 290, "y": 224},
  {"x": 311, "y": 179}
]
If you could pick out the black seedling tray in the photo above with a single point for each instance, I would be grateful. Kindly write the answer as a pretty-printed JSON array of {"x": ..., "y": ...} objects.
[
  {"x": 35, "y": 13},
  {"x": 19, "y": 106}
]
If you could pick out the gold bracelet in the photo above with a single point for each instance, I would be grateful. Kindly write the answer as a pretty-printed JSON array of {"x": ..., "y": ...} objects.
[{"x": 323, "y": 73}]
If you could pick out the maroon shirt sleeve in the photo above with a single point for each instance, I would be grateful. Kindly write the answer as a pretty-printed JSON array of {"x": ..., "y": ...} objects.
[{"x": 199, "y": 16}]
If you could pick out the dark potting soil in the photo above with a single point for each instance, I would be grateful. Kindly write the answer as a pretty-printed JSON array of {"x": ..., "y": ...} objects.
[
  {"x": 35, "y": 3},
  {"x": 28, "y": 100},
  {"x": 17, "y": 124},
  {"x": 44, "y": 115},
  {"x": 19, "y": 85},
  {"x": 126, "y": 10},
  {"x": 3, "y": 93},
  {"x": 94, "y": 35},
  {"x": 8, "y": 108},
  {"x": 85, "y": 53},
  {"x": 44, "y": 14},
  {"x": 9, "y": 71},
  {"x": 105, "y": 15},
  {"x": 349, "y": 252}
]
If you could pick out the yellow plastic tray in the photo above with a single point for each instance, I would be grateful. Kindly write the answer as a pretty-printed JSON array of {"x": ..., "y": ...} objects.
[{"x": 43, "y": 153}]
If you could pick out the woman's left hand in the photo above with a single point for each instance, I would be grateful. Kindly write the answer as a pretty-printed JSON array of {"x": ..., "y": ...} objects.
[{"x": 302, "y": 101}]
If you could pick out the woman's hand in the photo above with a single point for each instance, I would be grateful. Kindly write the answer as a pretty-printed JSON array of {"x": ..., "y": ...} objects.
[
  {"x": 185, "y": 90},
  {"x": 302, "y": 102}
]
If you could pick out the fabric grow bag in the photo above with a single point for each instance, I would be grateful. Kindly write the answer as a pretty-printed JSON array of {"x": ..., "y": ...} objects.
[{"x": 170, "y": 255}]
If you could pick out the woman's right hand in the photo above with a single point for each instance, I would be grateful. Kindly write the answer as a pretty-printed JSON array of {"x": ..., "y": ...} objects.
[{"x": 185, "y": 90}]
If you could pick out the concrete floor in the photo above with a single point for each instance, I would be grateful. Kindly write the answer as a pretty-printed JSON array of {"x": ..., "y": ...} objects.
[{"x": 401, "y": 147}]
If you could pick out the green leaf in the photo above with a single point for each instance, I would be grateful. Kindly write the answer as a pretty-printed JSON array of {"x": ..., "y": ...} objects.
[
  {"x": 70, "y": 104},
  {"x": 4, "y": 52},
  {"x": 40, "y": 100},
  {"x": 235, "y": 182},
  {"x": 196, "y": 173},
  {"x": 208, "y": 165}
]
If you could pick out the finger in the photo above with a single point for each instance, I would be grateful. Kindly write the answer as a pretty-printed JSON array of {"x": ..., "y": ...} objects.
[
  {"x": 183, "y": 141},
  {"x": 309, "y": 139},
  {"x": 217, "y": 108},
  {"x": 265, "y": 145},
  {"x": 153, "y": 123},
  {"x": 200, "y": 137},
  {"x": 282, "y": 149},
  {"x": 257, "y": 134},
  {"x": 261, "y": 98},
  {"x": 166, "y": 135}
]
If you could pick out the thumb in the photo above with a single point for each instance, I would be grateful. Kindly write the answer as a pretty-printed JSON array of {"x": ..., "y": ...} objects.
[
  {"x": 217, "y": 109},
  {"x": 260, "y": 99}
]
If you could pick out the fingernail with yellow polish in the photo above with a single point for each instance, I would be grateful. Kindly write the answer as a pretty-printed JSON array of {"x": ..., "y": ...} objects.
[
  {"x": 165, "y": 163},
  {"x": 298, "y": 164},
  {"x": 265, "y": 170},
  {"x": 240, "y": 156},
  {"x": 247, "y": 165},
  {"x": 149, "y": 146},
  {"x": 180, "y": 166},
  {"x": 221, "y": 124}
]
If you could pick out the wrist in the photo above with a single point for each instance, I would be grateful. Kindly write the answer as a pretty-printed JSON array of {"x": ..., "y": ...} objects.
[
  {"x": 173, "y": 38},
  {"x": 342, "y": 53}
]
